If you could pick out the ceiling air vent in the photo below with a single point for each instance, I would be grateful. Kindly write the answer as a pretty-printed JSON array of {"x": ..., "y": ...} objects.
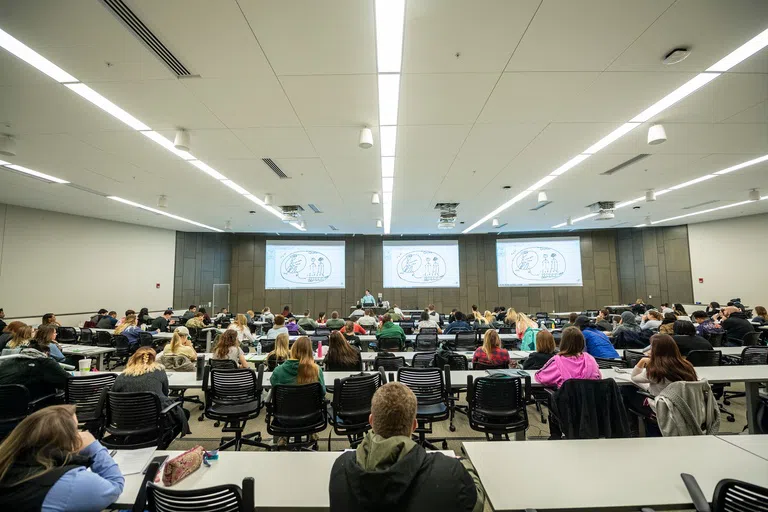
[
  {"x": 539, "y": 206},
  {"x": 150, "y": 40},
  {"x": 629, "y": 162},
  {"x": 314, "y": 208},
  {"x": 277, "y": 170},
  {"x": 700, "y": 204},
  {"x": 333, "y": 228}
]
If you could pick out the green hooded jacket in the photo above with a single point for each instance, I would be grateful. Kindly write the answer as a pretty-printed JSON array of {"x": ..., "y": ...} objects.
[{"x": 287, "y": 373}]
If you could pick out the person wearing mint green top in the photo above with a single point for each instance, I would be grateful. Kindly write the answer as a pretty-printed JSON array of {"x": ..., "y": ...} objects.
[{"x": 368, "y": 300}]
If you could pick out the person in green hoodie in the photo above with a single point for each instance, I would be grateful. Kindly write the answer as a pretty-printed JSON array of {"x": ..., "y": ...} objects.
[
  {"x": 307, "y": 322},
  {"x": 335, "y": 323},
  {"x": 390, "y": 471},
  {"x": 300, "y": 368},
  {"x": 389, "y": 329}
]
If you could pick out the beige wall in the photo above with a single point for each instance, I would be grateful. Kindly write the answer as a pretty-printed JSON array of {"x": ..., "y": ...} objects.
[
  {"x": 730, "y": 255},
  {"x": 64, "y": 264}
]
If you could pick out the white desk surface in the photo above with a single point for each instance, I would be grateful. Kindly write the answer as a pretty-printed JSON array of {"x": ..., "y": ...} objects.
[
  {"x": 271, "y": 472},
  {"x": 755, "y": 444},
  {"x": 614, "y": 472},
  {"x": 408, "y": 337},
  {"x": 67, "y": 348}
]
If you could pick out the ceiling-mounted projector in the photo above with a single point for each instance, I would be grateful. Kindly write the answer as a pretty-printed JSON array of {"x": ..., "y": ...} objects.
[
  {"x": 446, "y": 224},
  {"x": 603, "y": 209}
]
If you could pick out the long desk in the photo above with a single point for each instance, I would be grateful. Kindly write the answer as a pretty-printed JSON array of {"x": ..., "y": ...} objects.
[
  {"x": 615, "y": 473},
  {"x": 271, "y": 471},
  {"x": 87, "y": 351},
  {"x": 756, "y": 445}
]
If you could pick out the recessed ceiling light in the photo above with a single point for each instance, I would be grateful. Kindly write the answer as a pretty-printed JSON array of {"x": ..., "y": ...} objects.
[
  {"x": 388, "y": 137},
  {"x": 33, "y": 58},
  {"x": 388, "y": 167},
  {"x": 390, "y": 19},
  {"x": 36, "y": 174},
  {"x": 389, "y": 98},
  {"x": 160, "y": 212}
]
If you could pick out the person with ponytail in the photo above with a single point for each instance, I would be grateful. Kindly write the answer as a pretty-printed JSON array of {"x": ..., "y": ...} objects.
[
  {"x": 180, "y": 344},
  {"x": 130, "y": 330},
  {"x": 142, "y": 373},
  {"x": 46, "y": 464},
  {"x": 300, "y": 368}
]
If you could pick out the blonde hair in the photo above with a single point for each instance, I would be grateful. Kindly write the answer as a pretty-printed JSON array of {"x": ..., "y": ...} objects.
[
  {"x": 523, "y": 320},
  {"x": 480, "y": 318},
  {"x": 141, "y": 362},
  {"x": 488, "y": 316},
  {"x": 491, "y": 340},
  {"x": 511, "y": 317},
  {"x": 281, "y": 351},
  {"x": 250, "y": 312},
  {"x": 130, "y": 320},
  {"x": 308, "y": 371},
  {"x": 241, "y": 320},
  {"x": 176, "y": 340},
  {"x": 21, "y": 337}
]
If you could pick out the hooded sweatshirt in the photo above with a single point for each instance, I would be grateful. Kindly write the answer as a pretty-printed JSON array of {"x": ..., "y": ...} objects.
[
  {"x": 33, "y": 369},
  {"x": 388, "y": 474},
  {"x": 628, "y": 323},
  {"x": 288, "y": 372},
  {"x": 562, "y": 368}
]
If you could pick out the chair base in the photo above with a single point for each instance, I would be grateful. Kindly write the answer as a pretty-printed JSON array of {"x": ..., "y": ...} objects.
[
  {"x": 239, "y": 440},
  {"x": 306, "y": 442},
  {"x": 430, "y": 443},
  {"x": 729, "y": 395},
  {"x": 354, "y": 438}
]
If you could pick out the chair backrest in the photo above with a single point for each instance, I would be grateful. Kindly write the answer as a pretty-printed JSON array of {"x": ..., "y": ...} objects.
[
  {"x": 428, "y": 384},
  {"x": 352, "y": 397},
  {"x": 737, "y": 496},
  {"x": 426, "y": 341},
  {"x": 319, "y": 338},
  {"x": 299, "y": 406},
  {"x": 407, "y": 326},
  {"x": 103, "y": 339},
  {"x": 222, "y": 364},
  {"x": 506, "y": 330},
  {"x": 220, "y": 498},
  {"x": 85, "y": 394},
  {"x": 466, "y": 341},
  {"x": 423, "y": 359},
  {"x": 754, "y": 355},
  {"x": 133, "y": 413},
  {"x": 607, "y": 364},
  {"x": 705, "y": 357},
  {"x": 238, "y": 386},
  {"x": 428, "y": 330},
  {"x": 632, "y": 357},
  {"x": 146, "y": 339},
  {"x": 483, "y": 366},
  {"x": 497, "y": 400},
  {"x": 86, "y": 336},
  {"x": 750, "y": 339},
  {"x": 390, "y": 344},
  {"x": 590, "y": 409},
  {"x": 541, "y": 314},
  {"x": 452, "y": 360},
  {"x": 322, "y": 331},
  {"x": 389, "y": 363},
  {"x": 715, "y": 338},
  {"x": 267, "y": 345},
  {"x": 15, "y": 400},
  {"x": 630, "y": 339},
  {"x": 66, "y": 335},
  {"x": 121, "y": 345}
]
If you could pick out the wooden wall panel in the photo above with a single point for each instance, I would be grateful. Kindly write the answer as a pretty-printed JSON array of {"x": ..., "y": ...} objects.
[{"x": 202, "y": 260}]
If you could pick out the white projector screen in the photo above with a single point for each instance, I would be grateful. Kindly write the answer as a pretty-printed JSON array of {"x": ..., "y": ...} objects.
[
  {"x": 298, "y": 264},
  {"x": 421, "y": 264},
  {"x": 539, "y": 262}
]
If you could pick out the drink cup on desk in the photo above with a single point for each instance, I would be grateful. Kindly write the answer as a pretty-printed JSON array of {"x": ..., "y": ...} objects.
[{"x": 84, "y": 365}]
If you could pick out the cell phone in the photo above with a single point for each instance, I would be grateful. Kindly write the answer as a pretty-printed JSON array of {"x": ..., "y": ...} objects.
[{"x": 160, "y": 459}]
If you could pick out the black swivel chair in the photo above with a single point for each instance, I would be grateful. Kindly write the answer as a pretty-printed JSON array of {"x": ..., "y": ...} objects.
[
  {"x": 146, "y": 339},
  {"x": 430, "y": 385},
  {"x": 104, "y": 339},
  {"x": 606, "y": 364},
  {"x": 122, "y": 351},
  {"x": 86, "y": 337},
  {"x": 712, "y": 358},
  {"x": 317, "y": 339},
  {"x": 497, "y": 405},
  {"x": 454, "y": 362},
  {"x": 423, "y": 359},
  {"x": 632, "y": 357},
  {"x": 221, "y": 364},
  {"x": 234, "y": 397},
  {"x": 729, "y": 496},
  {"x": 322, "y": 331},
  {"x": 715, "y": 338},
  {"x": 66, "y": 335},
  {"x": 389, "y": 345},
  {"x": 464, "y": 341},
  {"x": 425, "y": 342},
  {"x": 487, "y": 366},
  {"x": 428, "y": 330},
  {"x": 296, "y": 412},
  {"x": 17, "y": 405},
  {"x": 388, "y": 362},
  {"x": 138, "y": 420},
  {"x": 751, "y": 339},
  {"x": 351, "y": 405},
  {"x": 751, "y": 355},
  {"x": 85, "y": 393},
  {"x": 407, "y": 326}
]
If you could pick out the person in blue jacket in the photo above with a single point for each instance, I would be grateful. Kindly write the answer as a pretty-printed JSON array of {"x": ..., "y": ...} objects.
[
  {"x": 44, "y": 465},
  {"x": 597, "y": 343}
]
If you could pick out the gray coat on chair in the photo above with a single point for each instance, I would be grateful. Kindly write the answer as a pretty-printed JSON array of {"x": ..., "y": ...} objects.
[{"x": 687, "y": 409}]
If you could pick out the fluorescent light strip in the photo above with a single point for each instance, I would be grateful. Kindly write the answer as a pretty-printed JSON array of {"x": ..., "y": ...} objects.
[
  {"x": 207, "y": 169},
  {"x": 743, "y": 165},
  {"x": 160, "y": 212},
  {"x": 543, "y": 181},
  {"x": 745, "y": 51},
  {"x": 388, "y": 167},
  {"x": 705, "y": 211},
  {"x": 297, "y": 226},
  {"x": 389, "y": 98},
  {"x": 640, "y": 226},
  {"x": 237, "y": 188},
  {"x": 627, "y": 203},
  {"x": 387, "y": 184},
  {"x": 390, "y": 21},
  {"x": 611, "y": 137},
  {"x": 388, "y": 138},
  {"x": 36, "y": 174},
  {"x": 693, "y": 182},
  {"x": 559, "y": 225},
  {"x": 570, "y": 164},
  {"x": 33, "y": 58},
  {"x": 584, "y": 217},
  {"x": 165, "y": 143},
  {"x": 107, "y": 106},
  {"x": 498, "y": 210},
  {"x": 678, "y": 94}
]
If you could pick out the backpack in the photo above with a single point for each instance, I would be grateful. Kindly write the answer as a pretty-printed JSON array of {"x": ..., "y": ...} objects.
[{"x": 528, "y": 343}]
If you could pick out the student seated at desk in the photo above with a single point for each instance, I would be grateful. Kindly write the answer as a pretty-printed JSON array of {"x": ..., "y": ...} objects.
[
  {"x": 667, "y": 324},
  {"x": 761, "y": 316},
  {"x": 190, "y": 313},
  {"x": 490, "y": 319},
  {"x": 280, "y": 353},
  {"x": 20, "y": 339},
  {"x": 510, "y": 318},
  {"x": 349, "y": 332},
  {"x": 50, "y": 318},
  {"x": 10, "y": 331},
  {"x": 368, "y": 321},
  {"x": 357, "y": 312},
  {"x": 545, "y": 350},
  {"x": 142, "y": 373},
  {"x": 267, "y": 315},
  {"x": 240, "y": 326},
  {"x": 603, "y": 320},
  {"x": 341, "y": 355},
  {"x": 428, "y": 322},
  {"x": 457, "y": 325},
  {"x": 33, "y": 369},
  {"x": 704, "y": 324},
  {"x": 46, "y": 337},
  {"x": 45, "y": 462},
  {"x": 628, "y": 323},
  {"x": 389, "y": 329},
  {"x": 180, "y": 345},
  {"x": 300, "y": 368},
  {"x": 597, "y": 343},
  {"x": 197, "y": 321},
  {"x": 294, "y": 329},
  {"x": 206, "y": 317},
  {"x": 491, "y": 353},
  {"x": 653, "y": 374},
  {"x": 335, "y": 323},
  {"x": 572, "y": 362},
  {"x": 351, "y": 327},
  {"x": 687, "y": 339},
  {"x": 651, "y": 320},
  {"x": 144, "y": 317},
  {"x": 321, "y": 318},
  {"x": 681, "y": 313},
  {"x": 287, "y": 312},
  {"x": 571, "y": 320},
  {"x": 736, "y": 325},
  {"x": 389, "y": 471},
  {"x": 130, "y": 330},
  {"x": 228, "y": 347},
  {"x": 109, "y": 321},
  {"x": 160, "y": 324},
  {"x": 307, "y": 322},
  {"x": 278, "y": 327}
]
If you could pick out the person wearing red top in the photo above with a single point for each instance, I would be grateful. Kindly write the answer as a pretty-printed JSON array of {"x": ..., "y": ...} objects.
[
  {"x": 491, "y": 352},
  {"x": 355, "y": 327}
]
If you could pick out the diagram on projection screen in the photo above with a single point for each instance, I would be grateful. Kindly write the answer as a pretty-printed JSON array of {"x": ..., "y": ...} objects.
[
  {"x": 539, "y": 262},
  {"x": 416, "y": 264},
  {"x": 304, "y": 265}
]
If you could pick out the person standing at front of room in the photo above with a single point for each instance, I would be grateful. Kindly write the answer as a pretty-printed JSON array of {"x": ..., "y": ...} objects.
[{"x": 368, "y": 300}]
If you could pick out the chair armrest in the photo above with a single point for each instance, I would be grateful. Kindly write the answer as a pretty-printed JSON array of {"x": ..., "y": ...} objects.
[
  {"x": 550, "y": 391},
  {"x": 644, "y": 393},
  {"x": 697, "y": 496},
  {"x": 167, "y": 409},
  {"x": 34, "y": 405},
  {"x": 140, "y": 505}
]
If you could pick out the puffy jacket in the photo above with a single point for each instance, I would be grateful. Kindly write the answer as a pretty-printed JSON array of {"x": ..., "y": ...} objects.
[
  {"x": 288, "y": 372},
  {"x": 396, "y": 474},
  {"x": 598, "y": 344},
  {"x": 34, "y": 370}
]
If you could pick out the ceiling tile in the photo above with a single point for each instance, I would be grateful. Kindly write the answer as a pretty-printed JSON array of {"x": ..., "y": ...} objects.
[
  {"x": 334, "y": 100},
  {"x": 443, "y": 98}
]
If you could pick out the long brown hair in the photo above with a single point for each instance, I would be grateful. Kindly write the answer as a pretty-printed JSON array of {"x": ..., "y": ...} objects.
[
  {"x": 227, "y": 340},
  {"x": 491, "y": 340},
  {"x": 340, "y": 351},
  {"x": 666, "y": 361},
  {"x": 759, "y": 311},
  {"x": 130, "y": 321},
  {"x": 21, "y": 337},
  {"x": 281, "y": 350},
  {"x": 571, "y": 342},
  {"x": 302, "y": 351},
  {"x": 44, "y": 335},
  {"x": 142, "y": 361},
  {"x": 45, "y": 435},
  {"x": 16, "y": 325}
]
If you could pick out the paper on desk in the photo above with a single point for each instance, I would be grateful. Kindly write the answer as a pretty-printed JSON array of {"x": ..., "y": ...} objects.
[{"x": 132, "y": 462}]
